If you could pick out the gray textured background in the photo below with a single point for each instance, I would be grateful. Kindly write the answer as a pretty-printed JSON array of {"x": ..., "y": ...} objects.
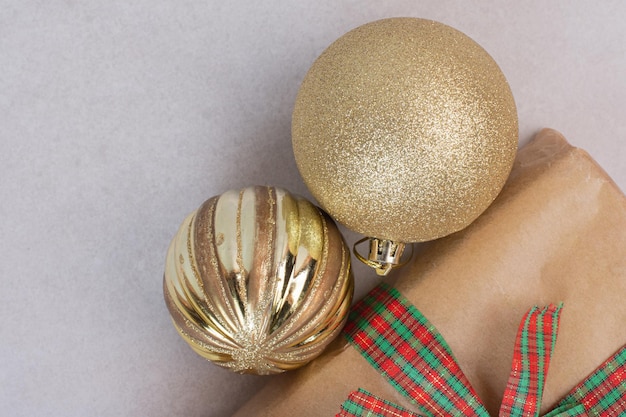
[{"x": 119, "y": 118}]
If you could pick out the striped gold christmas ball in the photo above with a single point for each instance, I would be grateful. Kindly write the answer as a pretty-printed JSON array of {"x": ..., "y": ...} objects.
[{"x": 258, "y": 280}]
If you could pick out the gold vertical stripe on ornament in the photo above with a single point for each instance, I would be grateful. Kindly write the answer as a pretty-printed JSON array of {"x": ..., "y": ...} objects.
[{"x": 258, "y": 280}]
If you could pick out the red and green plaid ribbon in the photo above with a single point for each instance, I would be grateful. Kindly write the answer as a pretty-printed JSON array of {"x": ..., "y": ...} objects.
[
  {"x": 362, "y": 403},
  {"x": 533, "y": 349},
  {"x": 398, "y": 341},
  {"x": 603, "y": 393}
]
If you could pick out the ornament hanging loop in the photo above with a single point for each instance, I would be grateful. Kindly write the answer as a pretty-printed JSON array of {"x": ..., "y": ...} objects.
[{"x": 384, "y": 255}]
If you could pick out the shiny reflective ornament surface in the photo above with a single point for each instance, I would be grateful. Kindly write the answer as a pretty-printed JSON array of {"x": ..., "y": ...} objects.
[
  {"x": 258, "y": 280},
  {"x": 404, "y": 130}
]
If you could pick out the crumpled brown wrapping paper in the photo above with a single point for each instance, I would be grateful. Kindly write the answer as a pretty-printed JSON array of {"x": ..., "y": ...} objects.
[{"x": 557, "y": 232}]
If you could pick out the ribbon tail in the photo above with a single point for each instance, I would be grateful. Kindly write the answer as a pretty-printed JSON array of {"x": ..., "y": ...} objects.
[
  {"x": 363, "y": 404},
  {"x": 534, "y": 345},
  {"x": 603, "y": 393}
]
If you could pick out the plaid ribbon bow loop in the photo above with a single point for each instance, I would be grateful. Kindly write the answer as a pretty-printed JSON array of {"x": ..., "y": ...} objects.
[{"x": 397, "y": 340}]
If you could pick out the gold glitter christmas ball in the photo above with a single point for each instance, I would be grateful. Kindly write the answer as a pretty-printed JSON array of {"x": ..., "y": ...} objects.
[
  {"x": 258, "y": 280},
  {"x": 405, "y": 129}
]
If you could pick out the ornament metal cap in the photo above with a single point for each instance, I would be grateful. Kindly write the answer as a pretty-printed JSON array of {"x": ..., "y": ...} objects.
[{"x": 384, "y": 254}]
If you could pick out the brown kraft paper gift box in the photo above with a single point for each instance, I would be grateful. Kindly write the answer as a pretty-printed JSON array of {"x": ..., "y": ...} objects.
[{"x": 556, "y": 233}]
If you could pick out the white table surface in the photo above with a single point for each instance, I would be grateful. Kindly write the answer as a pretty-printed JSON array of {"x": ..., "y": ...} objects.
[{"x": 118, "y": 118}]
